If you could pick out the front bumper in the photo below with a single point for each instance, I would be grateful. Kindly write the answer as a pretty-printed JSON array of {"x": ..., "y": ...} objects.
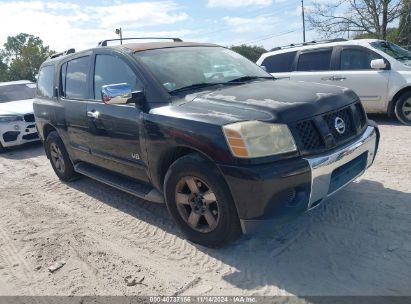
[
  {"x": 289, "y": 187},
  {"x": 330, "y": 173},
  {"x": 17, "y": 133}
]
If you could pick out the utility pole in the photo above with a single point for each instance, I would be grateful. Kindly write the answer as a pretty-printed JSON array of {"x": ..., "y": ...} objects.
[
  {"x": 119, "y": 31},
  {"x": 302, "y": 12}
]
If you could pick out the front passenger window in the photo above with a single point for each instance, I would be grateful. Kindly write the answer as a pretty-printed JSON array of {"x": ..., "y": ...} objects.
[
  {"x": 110, "y": 69},
  {"x": 357, "y": 59}
]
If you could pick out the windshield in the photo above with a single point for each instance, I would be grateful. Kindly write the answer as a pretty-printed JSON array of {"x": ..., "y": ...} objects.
[
  {"x": 189, "y": 67},
  {"x": 394, "y": 51},
  {"x": 15, "y": 92}
]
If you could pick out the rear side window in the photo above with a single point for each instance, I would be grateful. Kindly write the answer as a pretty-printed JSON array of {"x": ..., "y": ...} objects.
[
  {"x": 112, "y": 70},
  {"x": 357, "y": 59},
  {"x": 76, "y": 78},
  {"x": 315, "y": 61},
  {"x": 279, "y": 63},
  {"x": 45, "y": 82}
]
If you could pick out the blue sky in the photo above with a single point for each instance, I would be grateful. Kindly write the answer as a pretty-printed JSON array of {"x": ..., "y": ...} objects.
[{"x": 81, "y": 24}]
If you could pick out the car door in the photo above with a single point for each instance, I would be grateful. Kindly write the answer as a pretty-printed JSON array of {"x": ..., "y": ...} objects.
[
  {"x": 314, "y": 65},
  {"x": 354, "y": 71},
  {"x": 114, "y": 129},
  {"x": 74, "y": 93}
]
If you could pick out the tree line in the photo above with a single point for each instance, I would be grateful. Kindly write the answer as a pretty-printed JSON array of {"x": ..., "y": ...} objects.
[
  {"x": 21, "y": 57},
  {"x": 354, "y": 19},
  {"x": 363, "y": 19}
]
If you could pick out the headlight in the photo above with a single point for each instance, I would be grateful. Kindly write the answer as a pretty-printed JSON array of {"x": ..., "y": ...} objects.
[
  {"x": 251, "y": 139},
  {"x": 10, "y": 118}
]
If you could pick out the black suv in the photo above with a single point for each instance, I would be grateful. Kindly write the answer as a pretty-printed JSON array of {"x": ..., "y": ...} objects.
[{"x": 201, "y": 128}]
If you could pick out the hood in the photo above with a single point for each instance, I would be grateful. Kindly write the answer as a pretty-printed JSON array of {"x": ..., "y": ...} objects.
[
  {"x": 269, "y": 100},
  {"x": 18, "y": 107}
]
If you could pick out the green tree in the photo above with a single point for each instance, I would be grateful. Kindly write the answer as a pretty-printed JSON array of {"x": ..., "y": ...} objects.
[
  {"x": 23, "y": 54},
  {"x": 3, "y": 68},
  {"x": 251, "y": 52},
  {"x": 404, "y": 29}
]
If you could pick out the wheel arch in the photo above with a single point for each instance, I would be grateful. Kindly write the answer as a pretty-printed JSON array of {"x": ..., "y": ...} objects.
[
  {"x": 173, "y": 154},
  {"x": 47, "y": 129},
  {"x": 391, "y": 105}
]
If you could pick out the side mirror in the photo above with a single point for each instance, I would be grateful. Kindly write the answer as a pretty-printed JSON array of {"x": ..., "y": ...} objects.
[
  {"x": 378, "y": 64},
  {"x": 263, "y": 67},
  {"x": 137, "y": 97},
  {"x": 116, "y": 93},
  {"x": 120, "y": 94}
]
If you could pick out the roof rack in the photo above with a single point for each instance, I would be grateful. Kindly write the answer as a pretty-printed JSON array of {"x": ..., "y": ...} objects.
[
  {"x": 104, "y": 42},
  {"x": 307, "y": 43},
  {"x": 69, "y": 51}
]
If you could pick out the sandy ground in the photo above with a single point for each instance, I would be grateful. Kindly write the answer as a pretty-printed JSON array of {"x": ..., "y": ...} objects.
[{"x": 358, "y": 243}]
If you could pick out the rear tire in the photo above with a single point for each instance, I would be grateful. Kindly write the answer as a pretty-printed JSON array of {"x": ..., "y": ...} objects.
[
  {"x": 403, "y": 108},
  {"x": 207, "y": 215},
  {"x": 59, "y": 158}
]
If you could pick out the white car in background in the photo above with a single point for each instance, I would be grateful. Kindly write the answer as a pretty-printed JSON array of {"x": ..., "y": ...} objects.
[
  {"x": 378, "y": 71},
  {"x": 17, "y": 124}
]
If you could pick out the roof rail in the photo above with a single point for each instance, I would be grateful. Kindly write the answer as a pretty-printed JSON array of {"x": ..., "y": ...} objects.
[
  {"x": 104, "y": 42},
  {"x": 307, "y": 43},
  {"x": 69, "y": 51}
]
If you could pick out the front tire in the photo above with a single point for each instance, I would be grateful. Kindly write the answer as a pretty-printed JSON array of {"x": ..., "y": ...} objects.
[
  {"x": 198, "y": 199},
  {"x": 403, "y": 108},
  {"x": 59, "y": 158}
]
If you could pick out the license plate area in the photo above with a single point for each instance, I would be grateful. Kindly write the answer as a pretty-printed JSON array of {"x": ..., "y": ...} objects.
[{"x": 347, "y": 172}]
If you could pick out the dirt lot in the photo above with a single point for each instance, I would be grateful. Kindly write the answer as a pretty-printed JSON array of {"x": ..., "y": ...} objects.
[{"x": 358, "y": 243}]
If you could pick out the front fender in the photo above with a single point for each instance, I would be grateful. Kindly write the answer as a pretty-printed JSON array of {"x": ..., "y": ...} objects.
[{"x": 164, "y": 134}]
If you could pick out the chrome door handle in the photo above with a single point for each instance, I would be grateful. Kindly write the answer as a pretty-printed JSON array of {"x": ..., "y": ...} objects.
[
  {"x": 328, "y": 78},
  {"x": 93, "y": 114},
  {"x": 339, "y": 78}
]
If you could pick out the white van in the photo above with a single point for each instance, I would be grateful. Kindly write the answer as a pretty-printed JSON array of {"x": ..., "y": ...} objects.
[{"x": 378, "y": 71}]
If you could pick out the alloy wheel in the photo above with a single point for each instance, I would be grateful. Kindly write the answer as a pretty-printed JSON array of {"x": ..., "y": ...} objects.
[
  {"x": 406, "y": 108},
  {"x": 197, "y": 204},
  {"x": 57, "y": 158}
]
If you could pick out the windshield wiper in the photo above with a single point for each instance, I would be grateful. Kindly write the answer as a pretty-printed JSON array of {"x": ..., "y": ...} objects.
[
  {"x": 239, "y": 80},
  {"x": 403, "y": 58},
  {"x": 247, "y": 78},
  {"x": 199, "y": 86}
]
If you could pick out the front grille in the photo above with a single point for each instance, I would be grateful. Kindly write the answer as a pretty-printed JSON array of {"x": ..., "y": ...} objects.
[
  {"x": 29, "y": 118},
  {"x": 360, "y": 114},
  {"x": 345, "y": 115},
  {"x": 309, "y": 135},
  {"x": 319, "y": 134}
]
